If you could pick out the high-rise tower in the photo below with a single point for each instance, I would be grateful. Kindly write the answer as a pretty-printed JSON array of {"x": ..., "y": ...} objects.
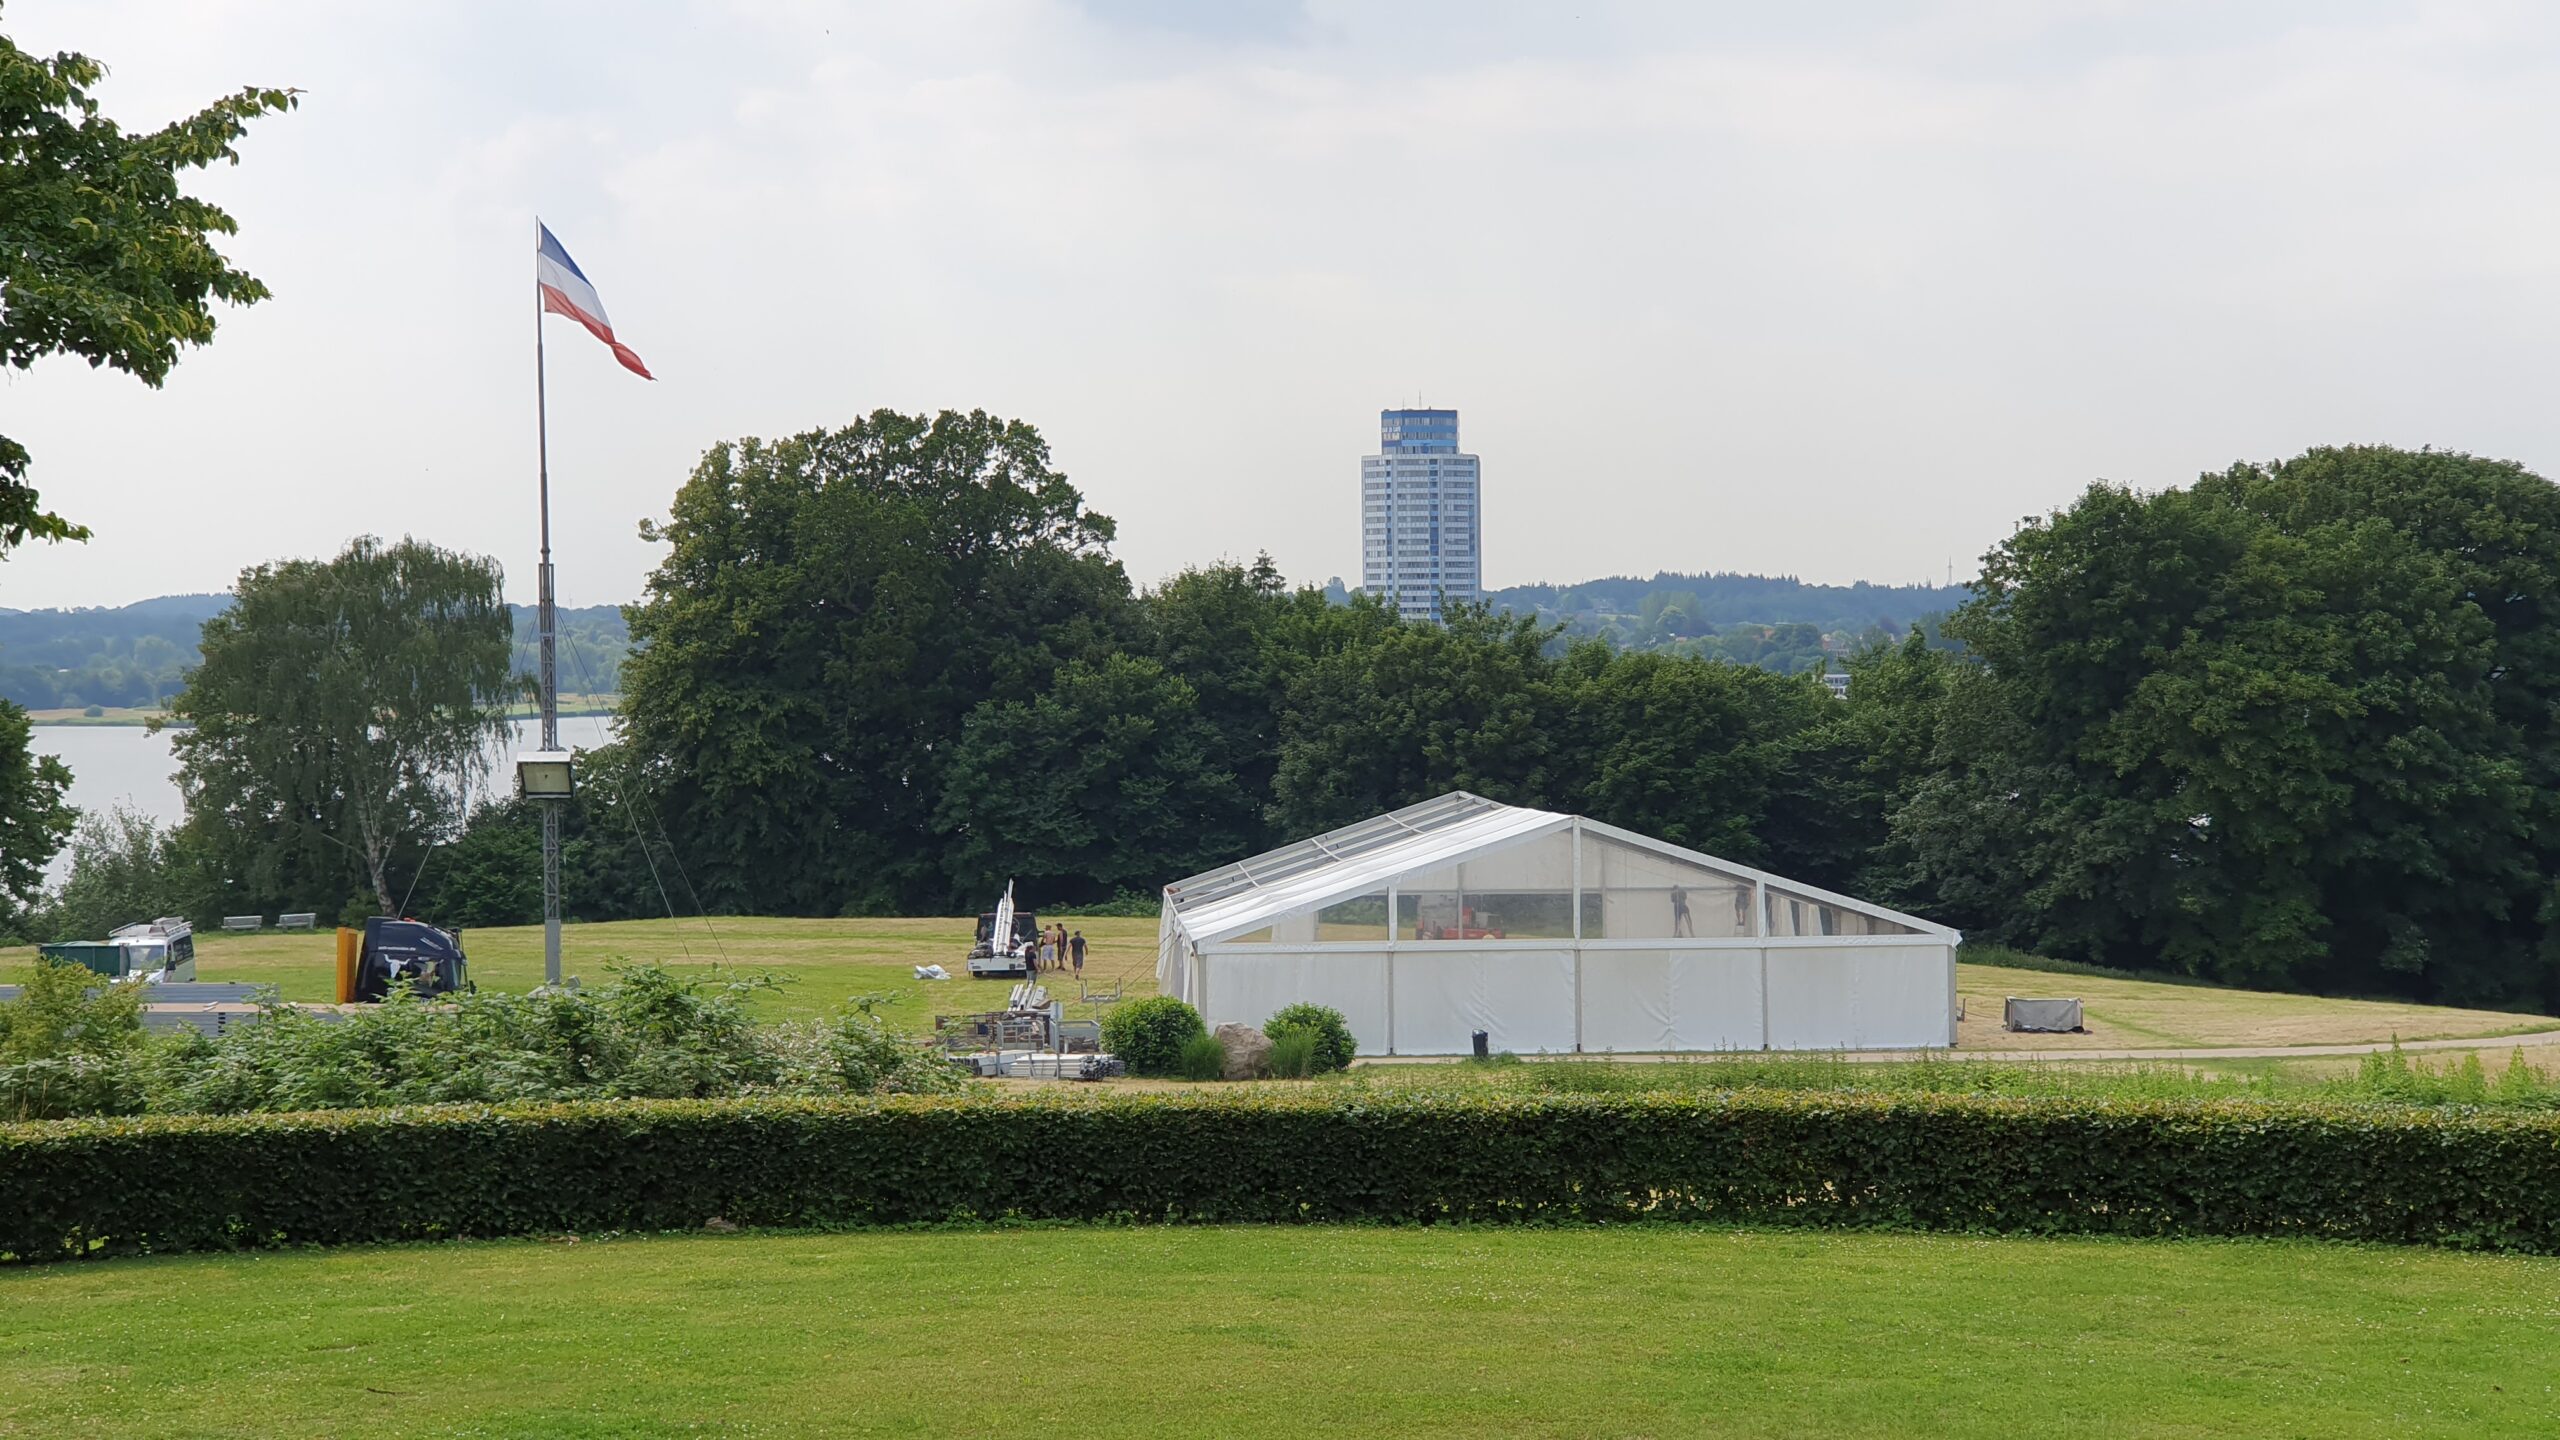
[{"x": 1419, "y": 523}]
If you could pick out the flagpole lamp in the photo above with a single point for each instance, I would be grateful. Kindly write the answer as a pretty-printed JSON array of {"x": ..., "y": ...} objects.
[{"x": 546, "y": 776}]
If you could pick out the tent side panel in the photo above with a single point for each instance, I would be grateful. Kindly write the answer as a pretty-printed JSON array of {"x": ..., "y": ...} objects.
[
  {"x": 1649, "y": 1001},
  {"x": 1871, "y": 997},
  {"x": 1249, "y": 989},
  {"x": 1172, "y": 952},
  {"x": 1521, "y": 999}
]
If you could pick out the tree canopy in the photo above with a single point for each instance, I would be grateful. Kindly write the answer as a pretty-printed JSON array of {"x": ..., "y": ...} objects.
[
  {"x": 34, "y": 818},
  {"x": 102, "y": 254},
  {"x": 2295, "y": 726},
  {"x": 343, "y": 713},
  {"x": 831, "y": 608}
]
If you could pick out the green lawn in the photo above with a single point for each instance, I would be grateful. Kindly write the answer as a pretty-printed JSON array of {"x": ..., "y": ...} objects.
[
  {"x": 1289, "y": 1332},
  {"x": 828, "y": 960},
  {"x": 823, "y": 961}
]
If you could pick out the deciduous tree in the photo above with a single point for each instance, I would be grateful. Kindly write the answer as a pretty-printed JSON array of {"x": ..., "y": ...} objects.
[
  {"x": 831, "y": 609},
  {"x": 102, "y": 255},
  {"x": 343, "y": 713},
  {"x": 34, "y": 817}
]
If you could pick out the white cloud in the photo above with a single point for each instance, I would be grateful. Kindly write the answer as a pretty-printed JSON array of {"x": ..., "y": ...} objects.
[{"x": 1712, "y": 289}]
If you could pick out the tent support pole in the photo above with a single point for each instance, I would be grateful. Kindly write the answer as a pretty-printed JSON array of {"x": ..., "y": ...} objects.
[
  {"x": 1760, "y": 928},
  {"x": 1392, "y": 901},
  {"x": 1577, "y": 934}
]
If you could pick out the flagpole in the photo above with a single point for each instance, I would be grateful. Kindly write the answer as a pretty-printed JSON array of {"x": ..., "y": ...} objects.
[{"x": 550, "y": 658}]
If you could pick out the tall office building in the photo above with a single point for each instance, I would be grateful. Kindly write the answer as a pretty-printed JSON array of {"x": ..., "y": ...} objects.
[{"x": 1419, "y": 535}]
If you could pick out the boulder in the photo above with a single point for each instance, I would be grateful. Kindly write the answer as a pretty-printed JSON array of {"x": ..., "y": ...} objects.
[{"x": 1248, "y": 1050}]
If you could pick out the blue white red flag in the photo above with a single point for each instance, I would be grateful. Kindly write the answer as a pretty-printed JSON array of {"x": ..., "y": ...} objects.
[{"x": 565, "y": 291}]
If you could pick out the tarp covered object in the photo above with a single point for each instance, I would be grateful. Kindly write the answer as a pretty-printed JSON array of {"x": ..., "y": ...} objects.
[{"x": 2061, "y": 1015}]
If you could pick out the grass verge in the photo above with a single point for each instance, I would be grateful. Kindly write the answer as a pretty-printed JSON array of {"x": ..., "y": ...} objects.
[{"x": 1250, "y": 1332}]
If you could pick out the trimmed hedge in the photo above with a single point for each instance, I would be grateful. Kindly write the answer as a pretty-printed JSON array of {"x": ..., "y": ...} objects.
[{"x": 2471, "y": 1179}]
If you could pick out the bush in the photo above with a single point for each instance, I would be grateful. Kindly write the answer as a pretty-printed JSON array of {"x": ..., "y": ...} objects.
[
  {"x": 2466, "y": 1178},
  {"x": 1149, "y": 1034},
  {"x": 1334, "y": 1046},
  {"x": 647, "y": 1033},
  {"x": 868, "y": 1058},
  {"x": 1293, "y": 1056},
  {"x": 67, "y": 1045},
  {"x": 1204, "y": 1057}
]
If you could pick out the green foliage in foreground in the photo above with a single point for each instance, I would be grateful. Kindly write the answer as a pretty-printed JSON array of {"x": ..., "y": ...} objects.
[
  {"x": 102, "y": 255},
  {"x": 1475, "y": 1333},
  {"x": 2465, "y": 1179},
  {"x": 65, "y": 1051}
]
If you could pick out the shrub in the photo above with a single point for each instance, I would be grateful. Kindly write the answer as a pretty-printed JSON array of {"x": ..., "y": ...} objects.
[
  {"x": 1149, "y": 1034},
  {"x": 871, "y": 1059},
  {"x": 1334, "y": 1045},
  {"x": 69, "y": 1045},
  {"x": 1293, "y": 1056},
  {"x": 2466, "y": 1178},
  {"x": 647, "y": 1033},
  {"x": 1204, "y": 1057}
]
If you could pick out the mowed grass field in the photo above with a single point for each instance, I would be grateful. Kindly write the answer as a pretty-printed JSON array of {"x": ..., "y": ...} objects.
[
  {"x": 822, "y": 963},
  {"x": 1289, "y": 1332},
  {"x": 2142, "y": 1014},
  {"x": 825, "y": 962}
]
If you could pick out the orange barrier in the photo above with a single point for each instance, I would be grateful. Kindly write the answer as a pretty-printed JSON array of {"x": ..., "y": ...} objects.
[{"x": 350, "y": 945}]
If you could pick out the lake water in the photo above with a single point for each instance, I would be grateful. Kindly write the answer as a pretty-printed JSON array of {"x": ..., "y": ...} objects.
[{"x": 127, "y": 765}]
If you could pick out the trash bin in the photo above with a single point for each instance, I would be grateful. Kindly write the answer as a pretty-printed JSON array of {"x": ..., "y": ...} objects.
[{"x": 1482, "y": 1051}]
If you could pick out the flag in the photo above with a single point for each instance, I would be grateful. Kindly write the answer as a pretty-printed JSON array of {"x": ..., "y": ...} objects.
[{"x": 565, "y": 291}]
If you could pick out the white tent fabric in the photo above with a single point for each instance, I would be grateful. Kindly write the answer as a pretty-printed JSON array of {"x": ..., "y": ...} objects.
[{"x": 1549, "y": 933}]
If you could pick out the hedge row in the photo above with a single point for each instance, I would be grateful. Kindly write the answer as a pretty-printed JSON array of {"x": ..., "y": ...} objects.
[{"x": 2457, "y": 1178}]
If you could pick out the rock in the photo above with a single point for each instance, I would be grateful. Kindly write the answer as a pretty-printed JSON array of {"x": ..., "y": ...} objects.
[
  {"x": 719, "y": 1226},
  {"x": 1247, "y": 1050}
]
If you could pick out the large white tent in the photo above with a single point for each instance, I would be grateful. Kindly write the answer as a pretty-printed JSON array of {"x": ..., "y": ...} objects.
[{"x": 1551, "y": 933}]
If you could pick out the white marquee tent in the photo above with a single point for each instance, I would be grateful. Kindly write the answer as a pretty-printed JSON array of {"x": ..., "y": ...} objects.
[{"x": 1551, "y": 933}]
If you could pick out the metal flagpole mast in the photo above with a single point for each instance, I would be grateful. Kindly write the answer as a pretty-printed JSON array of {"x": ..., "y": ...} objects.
[{"x": 550, "y": 658}]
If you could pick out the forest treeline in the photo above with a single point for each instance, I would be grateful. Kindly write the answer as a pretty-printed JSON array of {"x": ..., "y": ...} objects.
[
  {"x": 1774, "y": 622},
  {"x": 2296, "y": 725},
  {"x": 138, "y": 655}
]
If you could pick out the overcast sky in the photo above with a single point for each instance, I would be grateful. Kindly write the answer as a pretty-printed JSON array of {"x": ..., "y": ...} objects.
[{"x": 1712, "y": 286}]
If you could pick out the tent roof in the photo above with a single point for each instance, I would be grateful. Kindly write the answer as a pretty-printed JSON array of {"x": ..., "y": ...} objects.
[
  {"x": 1357, "y": 859},
  {"x": 1350, "y": 861}
]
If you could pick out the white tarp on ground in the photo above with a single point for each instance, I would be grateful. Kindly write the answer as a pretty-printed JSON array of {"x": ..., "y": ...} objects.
[{"x": 1460, "y": 914}]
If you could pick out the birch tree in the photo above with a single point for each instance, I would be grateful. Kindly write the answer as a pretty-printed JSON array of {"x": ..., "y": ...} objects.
[{"x": 345, "y": 712}]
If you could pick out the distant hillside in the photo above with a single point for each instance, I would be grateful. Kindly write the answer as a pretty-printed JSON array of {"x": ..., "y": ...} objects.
[
  {"x": 1772, "y": 621},
  {"x": 139, "y": 654}
]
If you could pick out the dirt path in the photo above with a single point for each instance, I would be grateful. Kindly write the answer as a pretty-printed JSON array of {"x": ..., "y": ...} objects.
[
  {"x": 2528, "y": 1040},
  {"x": 2235, "y": 1052}
]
